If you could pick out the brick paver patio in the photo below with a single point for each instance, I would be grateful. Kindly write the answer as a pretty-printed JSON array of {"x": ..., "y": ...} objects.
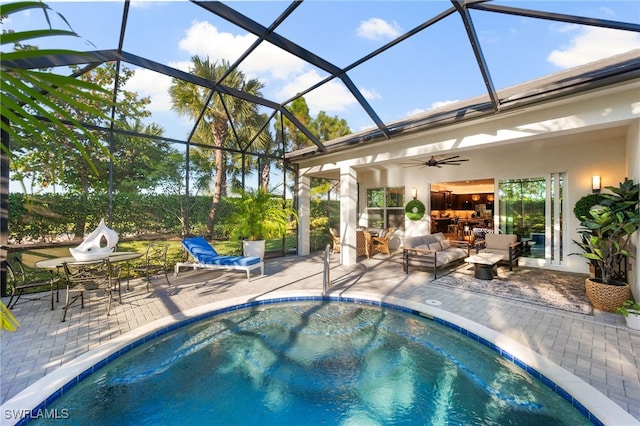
[{"x": 597, "y": 348}]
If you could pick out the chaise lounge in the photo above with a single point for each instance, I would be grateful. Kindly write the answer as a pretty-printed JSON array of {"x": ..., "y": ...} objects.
[{"x": 206, "y": 257}]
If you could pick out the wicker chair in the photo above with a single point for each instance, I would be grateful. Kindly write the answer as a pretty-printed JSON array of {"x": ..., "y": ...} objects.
[
  {"x": 363, "y": 243},
  {"x": 336, "y": 240},
  {"x": 381, "y": 242}
]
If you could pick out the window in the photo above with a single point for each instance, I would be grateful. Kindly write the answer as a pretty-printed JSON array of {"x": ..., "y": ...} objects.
[{"x": 385, "y": 207}]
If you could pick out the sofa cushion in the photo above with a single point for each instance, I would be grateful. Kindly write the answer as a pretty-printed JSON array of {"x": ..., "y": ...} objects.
[
  {"x": 503, "y": 253},
  {"x": 413, "y": 242},
  {"x": 450, "y": 255},
  {"x": 435, "y": 246},
  {"x": 499, "y": 241},
  {"x": 445, "y": 244},
  {"x": 439, "y": 236}
]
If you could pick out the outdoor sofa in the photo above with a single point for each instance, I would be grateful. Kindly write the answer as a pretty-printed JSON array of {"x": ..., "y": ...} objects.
[
  {"x": 433, "y": 251},
  {"x": 205, "y": 257}
]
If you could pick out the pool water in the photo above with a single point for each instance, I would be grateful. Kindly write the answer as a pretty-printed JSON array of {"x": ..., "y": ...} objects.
[{"x": 328, "y": 363}]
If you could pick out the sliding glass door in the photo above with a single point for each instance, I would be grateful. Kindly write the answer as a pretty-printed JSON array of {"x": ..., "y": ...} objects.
[{"x": 532, "y": 208}]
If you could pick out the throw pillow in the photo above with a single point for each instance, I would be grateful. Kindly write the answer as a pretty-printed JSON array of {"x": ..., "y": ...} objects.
[{"x": 435, "y": 246}]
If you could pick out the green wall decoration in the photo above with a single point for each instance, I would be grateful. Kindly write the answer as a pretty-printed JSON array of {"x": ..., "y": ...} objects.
[
  {"x": 415, "y": 210},
  {"x": 584, "y": 204}
]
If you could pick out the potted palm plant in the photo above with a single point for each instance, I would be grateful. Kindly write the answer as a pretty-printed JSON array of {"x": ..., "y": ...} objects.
[
  {"x": 605, "y": 241},
  {"x": 259, "y": 216},
  {"x": 631, "y": 312}
]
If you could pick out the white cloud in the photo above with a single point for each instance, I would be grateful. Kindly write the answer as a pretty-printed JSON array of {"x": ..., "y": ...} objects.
[
  {"x": 435, "y": 105},
  {"x": 156, "y": 86},
  {"x": 440, "y": 104},
  {"x": 593, "y": 44},
  {"x": 370, "y": 94},
  {"x": 330, "y": 97},
  {"x": 415, "y": 112},
  {"x": 377, "y": 29},
  {"x": 266, "y": 62},
  {"x": 607, "y": 11},
  {"x": 284, "y": 74}
]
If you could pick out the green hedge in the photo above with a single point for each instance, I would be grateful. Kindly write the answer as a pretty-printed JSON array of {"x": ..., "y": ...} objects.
[{"x": 46, "y": 217}]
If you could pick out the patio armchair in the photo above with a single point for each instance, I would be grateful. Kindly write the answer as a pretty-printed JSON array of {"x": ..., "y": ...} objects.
[
  {"x": 335, "y": 238},
  {"x": 381, "y": 242},
  {"x": 21, "y": 277},
  {"x": 363, "y": 243},
  {"x": 506, "y": 245},
  {"x": 90, "y": 276},
  {"x": 155, "y": 261}
]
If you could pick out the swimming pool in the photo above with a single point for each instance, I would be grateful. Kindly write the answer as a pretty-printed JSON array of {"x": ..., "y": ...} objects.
[{"x": 315, "y": 362}]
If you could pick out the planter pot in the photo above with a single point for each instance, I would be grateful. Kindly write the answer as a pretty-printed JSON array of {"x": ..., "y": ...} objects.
[
  {"x": 607, "y": 297},
  {"x": 633, "y": 320},
  {"x": 253, "y": 248}
]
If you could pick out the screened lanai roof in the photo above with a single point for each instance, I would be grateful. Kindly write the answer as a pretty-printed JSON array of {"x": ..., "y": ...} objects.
[{"x": 372, "y": 63}]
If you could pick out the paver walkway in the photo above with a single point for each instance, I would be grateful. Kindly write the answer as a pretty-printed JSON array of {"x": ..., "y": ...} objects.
[{"x": 598, "y": 348}]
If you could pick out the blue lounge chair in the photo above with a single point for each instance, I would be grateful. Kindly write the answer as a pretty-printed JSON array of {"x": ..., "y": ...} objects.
[{"x": 206, "y": 257}]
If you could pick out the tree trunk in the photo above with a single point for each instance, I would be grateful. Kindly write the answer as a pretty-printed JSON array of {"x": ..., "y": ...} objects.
[
  {"x": 265, "y": 173},
  {"x": 219, "y": 131}
]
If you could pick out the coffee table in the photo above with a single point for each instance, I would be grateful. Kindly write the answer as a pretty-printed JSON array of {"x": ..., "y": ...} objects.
[{"x": 484, "y": 265}]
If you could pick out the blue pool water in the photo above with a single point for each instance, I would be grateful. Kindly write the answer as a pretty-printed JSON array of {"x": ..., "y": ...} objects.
[{"x": 328, "y": 363}]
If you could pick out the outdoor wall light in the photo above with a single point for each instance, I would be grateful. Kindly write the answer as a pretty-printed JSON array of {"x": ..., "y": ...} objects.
[
  {"x": 414, "y": 192},
  {"x": 595, "y": 184}
]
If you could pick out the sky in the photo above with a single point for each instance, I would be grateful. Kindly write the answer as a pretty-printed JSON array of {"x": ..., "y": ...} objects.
[{"x": 429, "y": 70}]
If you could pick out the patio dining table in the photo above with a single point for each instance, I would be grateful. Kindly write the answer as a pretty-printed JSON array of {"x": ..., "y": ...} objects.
[{"x": 119, "y": 256}]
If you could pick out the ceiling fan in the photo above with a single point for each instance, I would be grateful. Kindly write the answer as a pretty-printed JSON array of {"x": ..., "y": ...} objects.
[{"x": 434, "y": 162}]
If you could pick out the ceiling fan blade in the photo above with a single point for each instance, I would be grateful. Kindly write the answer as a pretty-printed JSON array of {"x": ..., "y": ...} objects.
[
  {"x": 448, "y": 158},
  {"x": 452, "y": 162}
]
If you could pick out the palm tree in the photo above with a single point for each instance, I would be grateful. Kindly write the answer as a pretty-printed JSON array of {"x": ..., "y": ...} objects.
[{"x": 214, "y": 127}]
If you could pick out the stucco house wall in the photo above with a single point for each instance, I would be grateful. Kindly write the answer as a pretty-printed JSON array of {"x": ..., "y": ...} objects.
[
  {"x": 579, "y": 156},
  {"x": 592, "y": 133}
]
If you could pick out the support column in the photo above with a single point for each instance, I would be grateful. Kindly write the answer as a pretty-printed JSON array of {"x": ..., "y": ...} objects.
[
  {"x": 304, "y": 215},
  {"x": 633, "y": 172},
  {"x": 348, "y": 214}
]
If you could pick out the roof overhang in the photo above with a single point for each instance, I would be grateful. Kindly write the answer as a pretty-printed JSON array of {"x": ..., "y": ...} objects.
[{"x": 565, "y": 84}]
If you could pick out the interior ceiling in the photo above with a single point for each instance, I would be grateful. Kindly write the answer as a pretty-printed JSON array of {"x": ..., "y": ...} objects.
[{"x": 268, "y": 32}]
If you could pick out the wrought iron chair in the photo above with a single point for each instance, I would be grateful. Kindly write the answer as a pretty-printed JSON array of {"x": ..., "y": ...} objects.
[
  {"x": 89, "y": 276},
  {"x": 155, "y": 261},
  {"x": 21, "y": 277}
]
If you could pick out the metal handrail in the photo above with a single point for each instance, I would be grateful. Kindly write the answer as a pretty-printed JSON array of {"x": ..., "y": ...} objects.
[{"x": 326, "y": 281}]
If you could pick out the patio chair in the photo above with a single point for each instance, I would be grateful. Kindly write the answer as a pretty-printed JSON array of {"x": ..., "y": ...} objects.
[
  {"x": 155, "y": 261},
  {"x": 206, "y": 257},
  {"x": 89, "y": 276},
  {"x": 381, "y": 242},
  {"x": 21, "y": 277},
  {"x": 506, "y": 245},
  {"x": 363, "y": 243},
  {"x": 336, "y": 240}
]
